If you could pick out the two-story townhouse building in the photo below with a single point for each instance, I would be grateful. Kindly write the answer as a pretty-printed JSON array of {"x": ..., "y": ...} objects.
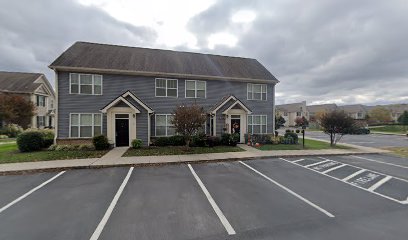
[
  {"x": 130, "y": 92},
  {"x": 290, "y": 112},
  {"x": 36, "y": 88},
  {"x": 355, "y": 111}
]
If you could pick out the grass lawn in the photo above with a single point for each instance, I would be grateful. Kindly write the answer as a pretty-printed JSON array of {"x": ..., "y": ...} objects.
[
  {"x": 171, "y": 150},
  {"x": 10, "y": 154},
  {"x": 7, "y": 140},
  {"x": 309, "y": 144},
  {"x": 389, "y": 129},
  {"x": 399, "y": 151}
]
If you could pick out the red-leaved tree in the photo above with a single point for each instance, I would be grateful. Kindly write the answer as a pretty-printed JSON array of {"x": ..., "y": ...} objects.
[{"x": 15, "y": 109}]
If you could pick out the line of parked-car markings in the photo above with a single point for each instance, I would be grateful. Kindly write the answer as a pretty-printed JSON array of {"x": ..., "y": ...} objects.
[{"x": 334, "y": 165}]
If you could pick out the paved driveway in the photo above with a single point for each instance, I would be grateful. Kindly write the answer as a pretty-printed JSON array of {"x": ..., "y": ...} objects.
[
  {"x": 368, "y": 140},
  {"x": 343, "y": 197}
]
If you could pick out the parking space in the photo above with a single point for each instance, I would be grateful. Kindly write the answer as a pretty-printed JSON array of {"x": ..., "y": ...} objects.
[
  {"x": 70, "y": 207},
  {"x": 293, "y": 198}
]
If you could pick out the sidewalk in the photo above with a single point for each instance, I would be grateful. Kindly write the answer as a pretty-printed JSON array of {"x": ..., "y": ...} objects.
[
  {"x": 114, "y": 158},
  {"x": 388, "y": 133}
]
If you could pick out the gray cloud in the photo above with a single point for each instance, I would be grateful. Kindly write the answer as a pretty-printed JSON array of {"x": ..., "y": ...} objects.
[
  {"x": 344, "y": 51},
  {"x": 34, "y": 33}
]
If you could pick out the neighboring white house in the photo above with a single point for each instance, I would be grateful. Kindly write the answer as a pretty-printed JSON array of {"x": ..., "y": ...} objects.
[
  {"x": 36, "y": 88},
  {"x": 356, "y": 111},
  {"x": 292, "y": 111}
]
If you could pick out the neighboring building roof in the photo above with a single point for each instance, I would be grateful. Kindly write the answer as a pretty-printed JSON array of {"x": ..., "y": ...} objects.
[
  {"x": 291, "y": 107},
  {"x": 321, "y": 108},
  {"x": 112, "y": 58},
  {"x": 355, "y": 108},
  {"x": 19, "y": 82}
]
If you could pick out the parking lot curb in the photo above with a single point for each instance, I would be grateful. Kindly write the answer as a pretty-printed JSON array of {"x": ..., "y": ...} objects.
[{"x": 156, "y": 164}]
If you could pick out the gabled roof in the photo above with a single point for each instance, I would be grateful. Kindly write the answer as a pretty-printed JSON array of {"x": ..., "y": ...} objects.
[
  {"x": 321, "y": 108},
  {"x": 355, "y": 108},
  {"x": 19, "y": 82},
  {"x": 225, "y": 100},
  {"x": 118, "y": 100},
  {"x": 87, "y": 56},
  {"x": 122, "y": 98},
  {"x": 291, "y": 107}
]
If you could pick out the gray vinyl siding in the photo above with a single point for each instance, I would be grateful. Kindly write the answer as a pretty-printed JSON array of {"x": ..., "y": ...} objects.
[{"x": 144, "y": 89}]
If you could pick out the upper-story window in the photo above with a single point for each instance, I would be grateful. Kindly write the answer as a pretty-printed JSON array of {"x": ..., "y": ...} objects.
[
  {"x": 166, "y": 87},
  {"x": 41, "y": 100},
  {"x": 90, "y": 84},
  {"x": 298, "y": 114},
  {"x": 196, "y": 89},
  {"x": 256, "y": 91}
]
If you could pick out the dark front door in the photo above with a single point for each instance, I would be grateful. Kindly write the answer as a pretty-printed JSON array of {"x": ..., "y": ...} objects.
[
  {"x": 236, "y": 126},
  {"x": 122, "y": 132}
]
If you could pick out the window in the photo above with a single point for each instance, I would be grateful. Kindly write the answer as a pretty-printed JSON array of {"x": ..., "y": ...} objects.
[
  {"x": 85, "y": 84},
  {"x": 52, "y": 104},
  {"x": 298, "y": 114},
  {"x": 256, "y": 91},
  {"x": 257, "y": 124},
  {"x": 285, "y": 114},
  {"x": 40, "y": 121},
  {"x": 41, "y": 101},
  {"x": 84, "y": 125},
  {"x": 166, "y": 87},
  {"x": 164, "y": 126},
  {"x": 196, "y": 89}
]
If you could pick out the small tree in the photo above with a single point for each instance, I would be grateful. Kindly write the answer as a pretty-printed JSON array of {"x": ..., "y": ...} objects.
[
  {"x": 279, "y": 122},
  {"x": 301, "y": 122},
  {"x": 188, "y": 120},
  {"x": 336, "y": 124},
  {"x": 15, "y": 109},
  {"x": 403, "y": 119}
]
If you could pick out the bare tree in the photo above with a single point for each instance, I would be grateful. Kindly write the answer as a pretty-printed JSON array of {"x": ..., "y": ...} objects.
[
  {"x": 336, "y": 124},
  {"x": 188, "y": 120}
]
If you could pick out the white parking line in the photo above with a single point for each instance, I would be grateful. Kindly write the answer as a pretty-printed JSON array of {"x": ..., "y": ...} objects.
[
  {"x": 344, "y": 180},
  {"x": 112, "y": 205},
  {"x": 314, "y": 164},
  {"x": 289, "y": 191},
  {"x": 221, "y": 216},
  {"x": 334, "y": 168},
  {"x": 387, "y": 163},
  {"x": 379, "y": 183},
  {"x": 298, "y": 160},
  {"x": 30, "y": 192},
  {"x": 353, "y": 175}
]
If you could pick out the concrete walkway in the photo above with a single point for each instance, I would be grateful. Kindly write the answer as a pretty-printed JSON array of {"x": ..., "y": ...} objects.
[{"x": 114, "y": 158}]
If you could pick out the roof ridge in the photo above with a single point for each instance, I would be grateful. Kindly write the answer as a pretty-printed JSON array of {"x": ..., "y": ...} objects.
[
  {"x": 168, "y": 50},
  {"x": 2, "y": 71}
]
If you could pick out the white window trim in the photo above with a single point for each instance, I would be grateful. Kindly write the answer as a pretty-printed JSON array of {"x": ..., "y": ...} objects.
[
  {"x": 195, "y": 88},
  {"x": 155, "y": 124},
  {"x": 37, "y": 98},
  {"x": 250, "y": 85},
  {"x": 251, "y": 126},
  {"x": 79, "y": 124},
  {"x": 43, "y": 121},
  {"x": 79, "y": 84},
  {"x": 155, "y": 87}
]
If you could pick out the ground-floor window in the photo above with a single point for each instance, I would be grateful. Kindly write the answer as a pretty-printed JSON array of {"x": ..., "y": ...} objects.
[
  {"x": 257, "y": 124},
  {"x": 40, "y": 121},
  {"x": 84, "y": 125},
  {"x": 164, "y": 127}
]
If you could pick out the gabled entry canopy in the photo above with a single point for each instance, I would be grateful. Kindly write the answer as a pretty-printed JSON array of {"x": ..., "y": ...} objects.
[
  {"x": 122, "y": 98},
  {"x": 230, "y": 102}
]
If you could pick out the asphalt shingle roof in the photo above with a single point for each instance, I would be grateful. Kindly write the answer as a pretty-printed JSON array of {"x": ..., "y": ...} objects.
[
  {"x": 135, "y": 59},
  {"x": 18, "y": 82}
]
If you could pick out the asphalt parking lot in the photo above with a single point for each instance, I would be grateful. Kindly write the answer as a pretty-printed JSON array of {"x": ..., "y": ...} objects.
[
  {"x": 336, "y": 197},
  {"x": 367, "y": 140}
]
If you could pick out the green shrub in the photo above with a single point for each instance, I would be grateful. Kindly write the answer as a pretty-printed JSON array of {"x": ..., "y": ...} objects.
[
  {"x": 199, "y": 140},
  {"x": 229, "y": 139},
  {"x": 292, "y": 135},
  {"x": 287, "y": 131},
  {"x": 297, "y": 131},
  {"x": 48, "y": 137},
  {"x": 86, "y": 147},
  {"x": 100, "y": 142},
  {"x": 30, "y": 141},
  {"x": 11, "y": 130},
  {"x": 177, "y": 140},
  {"x": 213, "y": 141},
  {"x": 52, "y": 147},
  {"x": 3, "y": 136},
  {"x": 137, "y": 143}
]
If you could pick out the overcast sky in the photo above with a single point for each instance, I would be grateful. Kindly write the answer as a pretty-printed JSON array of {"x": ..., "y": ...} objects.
[{"x": 342, "y": 51}]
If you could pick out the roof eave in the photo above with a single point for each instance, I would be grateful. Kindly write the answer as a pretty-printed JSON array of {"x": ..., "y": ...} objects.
[{"x": 160, "y": 74}]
